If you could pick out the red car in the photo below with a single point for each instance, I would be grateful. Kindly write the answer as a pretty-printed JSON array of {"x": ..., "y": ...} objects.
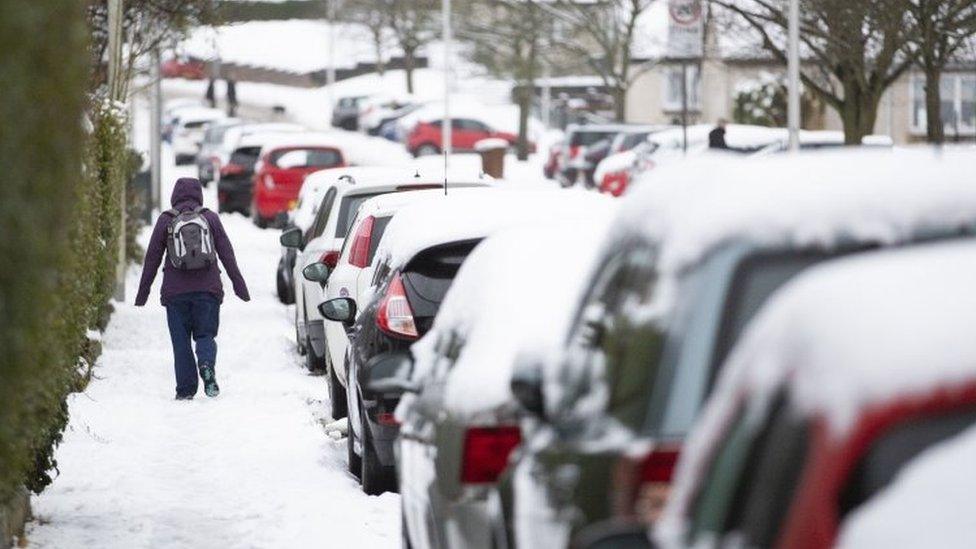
[
  {"x": 183, "y": 68},
  {"x": 426, "y": 139},
  {"x": 846, "y": 380},
  {"x": 279, "y": 176}
]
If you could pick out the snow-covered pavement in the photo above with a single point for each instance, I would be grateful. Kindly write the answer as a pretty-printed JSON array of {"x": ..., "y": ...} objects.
[{"x": 251, "y": 468}]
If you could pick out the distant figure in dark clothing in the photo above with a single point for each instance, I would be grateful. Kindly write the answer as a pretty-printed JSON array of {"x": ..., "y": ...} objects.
[
  {"x": 231, "y": 98},
  {"x": 716, "y": 137},
  {"x": 192, "y": 297},
  {"x": 211, "y": 95}
]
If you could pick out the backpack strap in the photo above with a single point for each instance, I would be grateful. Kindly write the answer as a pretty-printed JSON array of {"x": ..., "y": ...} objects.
[{"x": 172, "y": 212}]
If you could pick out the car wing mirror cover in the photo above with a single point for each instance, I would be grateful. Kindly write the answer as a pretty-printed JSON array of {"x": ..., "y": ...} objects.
[{"x": 389, "y": 374}]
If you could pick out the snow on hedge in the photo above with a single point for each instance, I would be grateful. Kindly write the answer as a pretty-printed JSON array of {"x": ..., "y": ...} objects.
[{"x": 513, "y": 297}]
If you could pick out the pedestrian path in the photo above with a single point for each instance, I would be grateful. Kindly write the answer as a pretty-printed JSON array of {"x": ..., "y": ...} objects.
[{"x": 251, "y": 468}]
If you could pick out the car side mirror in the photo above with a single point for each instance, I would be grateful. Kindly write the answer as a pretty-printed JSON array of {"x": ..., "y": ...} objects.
[
  {"x": 614, "y": 535},
  {"x": 526, "y": 386},
  {"x": 388, "y": 375},
  {"x": 316, "y": 272},
  {"x": 340, "y": 309},
  {"x": 292, "y": 238}
]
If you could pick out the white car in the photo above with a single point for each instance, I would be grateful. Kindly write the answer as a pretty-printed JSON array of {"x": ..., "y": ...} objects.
[
  {"x": 208, "y": 165},
  {"x": 345, "y": 190},
  {"x": 234, "y": 136},
  {"x": 188, "y": 127},
  {"x": 492, "y": 316},
  {"x": 353, "y": 275}
]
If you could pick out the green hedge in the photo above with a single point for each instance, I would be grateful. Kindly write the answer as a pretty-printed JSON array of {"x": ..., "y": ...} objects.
[{"x": 59, "y": 228}]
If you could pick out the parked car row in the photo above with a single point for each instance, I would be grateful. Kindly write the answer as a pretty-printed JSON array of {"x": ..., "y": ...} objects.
[
  {"x": 743, "y": 351},
  {"x": 414, "y": 123}
]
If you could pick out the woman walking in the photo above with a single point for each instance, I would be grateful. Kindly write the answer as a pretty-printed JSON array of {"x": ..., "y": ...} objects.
[{"x": 192, "y": 239}]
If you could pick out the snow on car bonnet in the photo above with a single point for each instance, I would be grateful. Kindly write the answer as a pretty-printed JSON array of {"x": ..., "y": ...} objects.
[
  {"x": 513, "y": 297},
  {"x": 800, "y": 200},
  {"x": 928, "y": 505},
  {"x": 474, "y": 214}
]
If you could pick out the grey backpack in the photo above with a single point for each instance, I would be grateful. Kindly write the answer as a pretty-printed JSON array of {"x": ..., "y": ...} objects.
[{"x": 189, "y": 243}]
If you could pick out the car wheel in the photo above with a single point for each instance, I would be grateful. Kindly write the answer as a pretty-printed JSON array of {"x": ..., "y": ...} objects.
[
  {"x": 337, "y": 395},
  {"x": 427, "y": 149},
  {"x": 284, "y": 292},
  {"x": 375, "y": 478},
  {"x": 299, "y": 344},
  {"x": 313, "y": 363},
  {"x": 404, "y": 533}
]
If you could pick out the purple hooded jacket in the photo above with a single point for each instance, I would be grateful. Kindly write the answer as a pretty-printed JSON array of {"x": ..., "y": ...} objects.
[{"x": 187, "y": 195}]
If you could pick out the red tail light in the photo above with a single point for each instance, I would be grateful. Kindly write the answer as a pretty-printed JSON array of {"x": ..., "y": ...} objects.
[
  {"x": 573, "y": 151},
  {"x": 330, "y": 258},
  {"x": 387, "y": 418},
  {"x": 231, "y": 169},
  {"x": 486, "y": 451},
  {"x": 659, "y": 466},
  {"x": 394, "y": 315},
  {"x": 359, "y": 254}
]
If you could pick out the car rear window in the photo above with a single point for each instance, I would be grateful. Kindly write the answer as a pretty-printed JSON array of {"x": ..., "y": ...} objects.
[
  {"x": 245, "y": 156},
  {"x": 895, "y": 448},
  {"x": 687, "y": 377},
  {"x": 586, "y": 138},
  {"x": 195, "y": 124},
  {"x": 347, "y": 211},
  {"x": 379, "y": 227},
  {"x": 428, "y": 277},
  {"x": 306, "y": 158}
]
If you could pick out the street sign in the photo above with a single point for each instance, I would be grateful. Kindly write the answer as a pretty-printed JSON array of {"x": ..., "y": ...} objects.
[{"x": 685, "y": 29}]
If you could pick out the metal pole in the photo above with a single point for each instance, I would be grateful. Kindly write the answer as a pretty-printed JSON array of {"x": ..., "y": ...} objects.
[
  {"x": 446, "y": 23},
  {"x": 330, "y": 73},
  {"x": 793, "y": 76},
  {"x": 155, "y": 125},
  {"x": 545, "y": 102},
  {"x": 115, "y": 94},
  {"x": 446, "y": 123},
  {"x": 684, "y": 106}
]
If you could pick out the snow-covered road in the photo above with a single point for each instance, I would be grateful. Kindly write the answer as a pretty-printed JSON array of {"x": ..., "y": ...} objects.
[{"x": 251, "y": 468}]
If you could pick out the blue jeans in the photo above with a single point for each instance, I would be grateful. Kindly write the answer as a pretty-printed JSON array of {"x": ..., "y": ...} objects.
[{"x": 196, "y": 316}]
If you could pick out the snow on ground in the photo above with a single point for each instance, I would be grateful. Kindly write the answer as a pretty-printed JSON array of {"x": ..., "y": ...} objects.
[{"x": 254, "y": 467}]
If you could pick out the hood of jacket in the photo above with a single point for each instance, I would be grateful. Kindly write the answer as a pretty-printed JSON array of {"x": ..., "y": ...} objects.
[{"x": 187, "y": 194}]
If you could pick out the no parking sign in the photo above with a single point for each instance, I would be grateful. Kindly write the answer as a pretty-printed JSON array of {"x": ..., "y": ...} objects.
[{"x": 685, "y": 28}]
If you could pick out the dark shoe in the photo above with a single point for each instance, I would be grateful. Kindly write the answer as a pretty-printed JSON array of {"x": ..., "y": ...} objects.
[
  {"x": 184, "y": 397},
  {"x": 209, "y": 380}
]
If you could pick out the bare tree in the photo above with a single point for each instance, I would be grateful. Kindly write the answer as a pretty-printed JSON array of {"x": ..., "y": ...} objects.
[
  {"x": 374, "y": 15},
  {"x": 602, "y": 32},
  {"x": 413, "y": 24},
  {"x": 854, "y": 50},
  {"x": 509, "y": 38},
  {"x": 941, "y": 29},
  {"x": 146, "y": 25}
]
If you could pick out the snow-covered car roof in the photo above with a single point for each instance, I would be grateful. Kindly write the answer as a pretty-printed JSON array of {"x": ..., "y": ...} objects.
[
  {"x": 929, "y": 503},
  {"x": 303, "y": 139},
  {"x": 475, "y": 214},
  {"x": 841, "y": 337},
  {"x": 809, "y": 199},
  {"x": 364, "y": 179},
  {"x": 259, "y": 138},
  {"x": 513, "y": 297},
  {"x": 391, "y": 202}
]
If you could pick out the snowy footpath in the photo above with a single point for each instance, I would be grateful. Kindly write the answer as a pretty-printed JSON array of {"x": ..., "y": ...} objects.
[{"x": 250, "y": 468}]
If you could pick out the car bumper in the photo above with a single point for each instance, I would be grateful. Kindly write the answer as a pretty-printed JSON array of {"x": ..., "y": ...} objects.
[
  {"x": 234, "y": 195},
  {"x": 383, "y": 435}
]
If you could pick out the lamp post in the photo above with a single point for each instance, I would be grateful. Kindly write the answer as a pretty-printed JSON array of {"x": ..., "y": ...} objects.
[{"x": 793, "y": 76}]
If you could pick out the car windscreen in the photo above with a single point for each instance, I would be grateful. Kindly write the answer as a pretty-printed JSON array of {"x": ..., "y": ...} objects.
[
  {"x": 714, "y": 324},
  {"x": 428, "y": 277},
  {"x": 306, "y": 158},
  {"x": 245, "y": 156},
  {"x": 631, "y": 140},
  {"x": 347, "y": 212},
  {"x": 586, "y": 138},
  {"x": 895, "y": 448}
]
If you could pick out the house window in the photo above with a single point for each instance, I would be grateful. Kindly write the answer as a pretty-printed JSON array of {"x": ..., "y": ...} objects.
[
  {"x": 958, "y": 103},
  {"x": 672, "y": 91}
]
